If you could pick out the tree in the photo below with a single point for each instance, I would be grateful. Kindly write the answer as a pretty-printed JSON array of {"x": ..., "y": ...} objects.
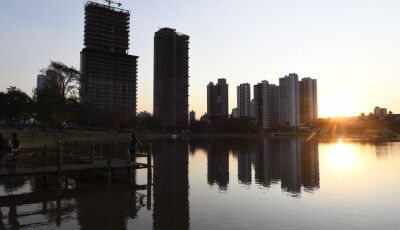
[
  {"x": 16, "y": 105},
  {"x": 63, "y": 79},
  {"x": 57, "y": 101}
]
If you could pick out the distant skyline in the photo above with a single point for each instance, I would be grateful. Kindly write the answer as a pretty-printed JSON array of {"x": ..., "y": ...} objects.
[{"x": 351, "y": 47}]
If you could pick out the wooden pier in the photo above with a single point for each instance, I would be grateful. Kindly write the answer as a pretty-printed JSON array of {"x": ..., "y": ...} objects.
[
  {"x": 66, "y": 161},
  {"x": 73, "y": 157}
]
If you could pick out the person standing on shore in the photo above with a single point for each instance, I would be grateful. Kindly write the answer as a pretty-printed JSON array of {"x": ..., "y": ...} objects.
[
  {"x": 15, "y": 147},
  {"x": 2, "y": 150},
  {"x": 133, "y": 145}
]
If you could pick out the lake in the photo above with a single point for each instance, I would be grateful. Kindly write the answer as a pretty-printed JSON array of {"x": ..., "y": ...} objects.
[{"x": 236, "y": 183}]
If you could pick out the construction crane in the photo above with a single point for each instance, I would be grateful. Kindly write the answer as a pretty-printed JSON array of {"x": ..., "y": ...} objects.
[{"x": 109, "y": 2}]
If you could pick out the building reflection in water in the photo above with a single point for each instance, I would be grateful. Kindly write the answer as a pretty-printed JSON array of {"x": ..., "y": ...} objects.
[
  {"x": 171, "y": 184},
  {"x": 218, "y": 164},
  {"x": 293, "y": 161},
  {"x": 245, "y": 152}
]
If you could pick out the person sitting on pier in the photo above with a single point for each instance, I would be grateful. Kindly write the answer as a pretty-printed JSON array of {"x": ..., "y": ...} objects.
[
  {"x": 15, "y": 147},
  {"x": 132, "y": 147}
]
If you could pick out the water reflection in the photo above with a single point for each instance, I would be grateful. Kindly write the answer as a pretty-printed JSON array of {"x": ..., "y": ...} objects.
[
  {"x": 218, "y": 164},
  {"x": 294, "y": 162},
  {"x": 292, "y": 165},
  {"x": 171, "y": 185}
]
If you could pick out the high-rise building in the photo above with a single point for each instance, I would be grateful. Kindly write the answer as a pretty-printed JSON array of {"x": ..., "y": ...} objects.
[
  {"x": 192, "y": 116},
  {"x": 217, "y": 99},
  {"x": 171, "y": 79},
  {"x": 108, "y": 72},
  {"x": 41, "y": 81},
  {"x": 261, "y": 104},
  {"x": 308, "y": 101},
  {"x": 380, "y": 112},
  {"x": 243, "y": 100},
  {"x": 273, "y": 105},
  {"x": 289, "y": 100},
  {"x": 252, "y": 109}
]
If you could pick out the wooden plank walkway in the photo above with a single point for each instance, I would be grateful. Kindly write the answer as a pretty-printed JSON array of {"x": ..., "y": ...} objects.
[{"x": 97, "y": 164}]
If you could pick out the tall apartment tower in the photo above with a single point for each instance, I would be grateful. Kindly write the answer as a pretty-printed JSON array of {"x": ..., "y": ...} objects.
[
  {"x": 243, "y": 100},
  {"x": 289, "y": 100},
  {"x": 217, "y": 99},
  {"x": 273, "y": 106},
  {"x": 108, "y": 73},
  {"x": 261, "y": 104},
  {"x": 308, "y": 101},
  {"x": 171, "y": 79}
]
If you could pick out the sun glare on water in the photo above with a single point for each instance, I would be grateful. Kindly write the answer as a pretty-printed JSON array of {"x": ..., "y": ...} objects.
[{"x": 342, "y": 156}]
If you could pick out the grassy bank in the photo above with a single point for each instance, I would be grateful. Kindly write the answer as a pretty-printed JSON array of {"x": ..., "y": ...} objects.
[{"x": 42, "y": 137}]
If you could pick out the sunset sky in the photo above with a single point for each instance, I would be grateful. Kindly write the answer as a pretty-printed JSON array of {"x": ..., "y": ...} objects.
[{"x": 351, "y": 46}]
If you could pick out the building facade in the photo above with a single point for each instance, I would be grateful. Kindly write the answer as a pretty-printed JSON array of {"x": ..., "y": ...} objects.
[
  {"x": 289, "y": 100},
  {"x": 244, "y": 100},
  {"x": 217, "y": 99},
  {"x": 192, "y": 116},
  {"x": 308, "y": 101},
  {"x": 41, "y": 81},
  {"x": 171, "y": 79},
  {"x": 108, "y": 72},
  {"x": 273, "y": 106},
  {"x": 380, "y": 112},
  {"x": 261, "y": 104}
]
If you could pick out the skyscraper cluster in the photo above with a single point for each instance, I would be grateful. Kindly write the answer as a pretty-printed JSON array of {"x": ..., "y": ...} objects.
[
  {"x": 109, "y": 81},
  {"x": 293, "y": 103},
  {"x": 109, "y": 73}
]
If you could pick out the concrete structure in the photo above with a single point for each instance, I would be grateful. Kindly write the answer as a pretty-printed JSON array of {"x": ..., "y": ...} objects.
[
  {"x": 243, "y": 100},
  {"x": 192, "y": 116},
  {"x": 108, "y": 73},
  {"x": 171, "y": 79},
  {"x": 289, "y": 100},
  {"x": 41, "y": 81},
  {"x": 380, "y": 112},
  {"x": 308, "y": 101},
  {"x": 261, "y": 104},
  {"x": 217, "y": 99},
  {"x": 273, "y": 106},
  {"x": 252, "y": 109}
]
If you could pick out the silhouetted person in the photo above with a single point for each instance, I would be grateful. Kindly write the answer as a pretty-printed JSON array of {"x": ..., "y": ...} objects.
[
  {"x": 2, "y": 151},
  {"x": 15, "y": 145},
  {"x": 133, "y": 145}
]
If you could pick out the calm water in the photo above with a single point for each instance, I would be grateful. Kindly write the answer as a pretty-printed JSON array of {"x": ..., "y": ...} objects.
[{"x": 225, "y": 184}]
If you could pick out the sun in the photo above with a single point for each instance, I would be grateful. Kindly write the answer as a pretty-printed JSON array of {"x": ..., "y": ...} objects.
[{"x": 340, "y": 104}]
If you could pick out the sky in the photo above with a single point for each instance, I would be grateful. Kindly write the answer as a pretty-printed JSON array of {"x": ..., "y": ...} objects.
[{"x": 352, "y": 47}]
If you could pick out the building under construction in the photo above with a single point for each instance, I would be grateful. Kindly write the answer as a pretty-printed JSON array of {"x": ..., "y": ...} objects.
[
  {"x": 171, "y": 79},
  {"x": 108, "y": 72}
]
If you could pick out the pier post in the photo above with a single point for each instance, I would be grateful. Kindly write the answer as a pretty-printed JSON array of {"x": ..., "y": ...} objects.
[
  {"x": 149, "y": 168},
  {"x": 44, "y": 155},
  {"x": 78, "y": 152},
  {"x": 59, "y": 159},
  {"x": 109, "y": 165},
  {"x": 114, "y": 149},
  {"x": 92, "y": 146},
  {"x": 149, "y": 176}
]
